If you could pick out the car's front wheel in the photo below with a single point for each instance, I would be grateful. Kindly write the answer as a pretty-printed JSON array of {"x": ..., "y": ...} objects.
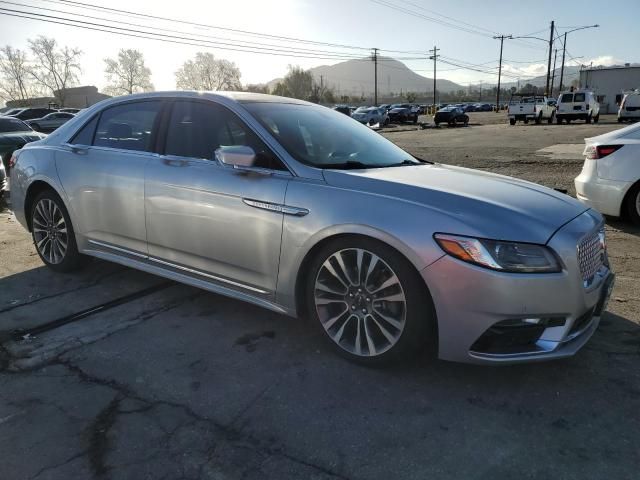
[
  {"x": 369, "y": 301},
  {"x": 53, "y": 234}
]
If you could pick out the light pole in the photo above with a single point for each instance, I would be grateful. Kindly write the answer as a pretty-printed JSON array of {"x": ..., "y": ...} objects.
[
  {"x": 550, "y": 44},
  {"x": 564, "y": 48}
]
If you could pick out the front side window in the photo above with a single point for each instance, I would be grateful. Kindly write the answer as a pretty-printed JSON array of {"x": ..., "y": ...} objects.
[
  {"x": 198, "y": 129},
  {"x": 322, "y": 138},
  {"x": 127, "y": 126}
]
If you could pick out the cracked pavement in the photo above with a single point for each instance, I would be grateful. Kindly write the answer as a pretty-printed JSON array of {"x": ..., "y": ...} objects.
[{"x": 184, "y": 384}]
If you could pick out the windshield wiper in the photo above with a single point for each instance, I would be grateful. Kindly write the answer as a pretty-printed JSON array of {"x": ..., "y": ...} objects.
[{"x": 351, "y": 165}]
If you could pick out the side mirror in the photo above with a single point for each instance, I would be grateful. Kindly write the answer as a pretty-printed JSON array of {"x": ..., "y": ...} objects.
[{"x": 236, "y": 156}]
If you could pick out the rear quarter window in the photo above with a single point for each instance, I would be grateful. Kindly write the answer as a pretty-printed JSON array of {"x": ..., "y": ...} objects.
[
  {"x": 566, "y": 98},
  {"x": 579, "y": 97}
]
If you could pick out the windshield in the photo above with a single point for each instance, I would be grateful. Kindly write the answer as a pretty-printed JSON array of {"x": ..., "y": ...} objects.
[
  {"x": 13, "y": 125},
  {"x": 322, "y": 138}
]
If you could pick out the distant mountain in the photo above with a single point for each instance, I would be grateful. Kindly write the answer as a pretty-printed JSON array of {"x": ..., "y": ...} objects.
[
  {"x": 570, "y": 74},
  {"x": 356, "y": 77}
]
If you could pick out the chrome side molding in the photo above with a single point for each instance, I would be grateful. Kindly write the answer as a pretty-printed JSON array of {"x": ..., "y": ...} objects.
[
  {"x": 179, "y": 267},
  {"x": 276, "y": 207}
]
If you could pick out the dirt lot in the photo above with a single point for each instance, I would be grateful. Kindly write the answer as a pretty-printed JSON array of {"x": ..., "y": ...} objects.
[{"x": 173, "y": 382}]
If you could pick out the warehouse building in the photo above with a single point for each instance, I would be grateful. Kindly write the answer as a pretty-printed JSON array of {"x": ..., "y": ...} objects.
[
  {"x": 609, "y": 83},
  {"x": 76, "y": 97}
]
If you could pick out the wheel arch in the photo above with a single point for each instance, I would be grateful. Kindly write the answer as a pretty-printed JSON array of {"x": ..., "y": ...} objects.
[
  {"x": 303, "y": 268},
  {"x": 623, "y": 205},
  {"x": 36, "y": 188}
]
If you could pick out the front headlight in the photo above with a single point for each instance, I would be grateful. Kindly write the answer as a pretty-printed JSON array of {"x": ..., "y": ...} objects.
[{"x": 500, "y": 255}]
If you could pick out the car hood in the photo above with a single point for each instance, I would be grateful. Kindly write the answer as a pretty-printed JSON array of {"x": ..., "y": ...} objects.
[
  {"x": 19, "y": 138},
  {"x": 478, "y": 203}
]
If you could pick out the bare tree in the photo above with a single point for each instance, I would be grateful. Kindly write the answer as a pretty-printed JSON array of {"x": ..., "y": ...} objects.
[
  {"x": 56, "y": 69},
  {"x": 128, "y": 74},
  {"x": 205, "y": 72},
  {"x": 16, "y": 82}
]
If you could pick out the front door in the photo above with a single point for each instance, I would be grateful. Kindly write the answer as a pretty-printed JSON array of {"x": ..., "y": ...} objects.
[
  {"x": 201, "y": 216},
  {"x": 102, "y": 172}
]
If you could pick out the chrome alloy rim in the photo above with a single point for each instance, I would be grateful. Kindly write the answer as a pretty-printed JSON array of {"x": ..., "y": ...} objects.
[
  {"x": 50, "y": 231},
  {"x": 360, "y": 302}
]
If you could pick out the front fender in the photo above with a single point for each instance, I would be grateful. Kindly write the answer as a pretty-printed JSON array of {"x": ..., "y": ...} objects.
[{"x": 405, "y": 226}]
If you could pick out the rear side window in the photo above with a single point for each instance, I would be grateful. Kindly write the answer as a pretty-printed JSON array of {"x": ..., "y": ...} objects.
[
  {"x": 127, "y": 126},
  {"x": 197, "y": 129},
  {"x": 85, "y": 134},
  {"x": 566, "y": 98},
  {"x": 579, "y": 97}
]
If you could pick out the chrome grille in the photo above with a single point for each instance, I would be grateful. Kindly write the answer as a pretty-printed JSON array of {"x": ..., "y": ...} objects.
[{"x": 591, "y": 256}]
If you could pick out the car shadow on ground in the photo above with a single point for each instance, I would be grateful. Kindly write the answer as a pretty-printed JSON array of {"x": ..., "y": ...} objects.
[{"x": 623, "y": 225}]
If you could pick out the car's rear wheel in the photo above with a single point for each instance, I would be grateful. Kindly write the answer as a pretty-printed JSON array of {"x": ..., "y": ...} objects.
[
  {"x": 550, "y": 120},
  {"x": 539, "y": 119},
  {"x": 53, "y": 234},
  {"x": 596, "y": 118},
  {"x": 588, "y": 120},
  {"x": 512, "y": 121},
  {"x": 369, "y": 301},
  {"x": 633, "y": 204}
]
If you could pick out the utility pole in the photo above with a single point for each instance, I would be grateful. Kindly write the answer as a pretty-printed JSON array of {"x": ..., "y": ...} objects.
[
  {"x": 375, "y": 77},
  {"x": 546, "y": 91},
  {"x": 553, "y": 75},
  {"x": 480, "y": 91},
  {"x": 434, "y": 57},
  {"x": 564, "y": 51},
  {"x": 501, "y": 37}
]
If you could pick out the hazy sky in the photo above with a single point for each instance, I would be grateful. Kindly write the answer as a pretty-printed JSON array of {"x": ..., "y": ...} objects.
[{"x": 353, "y": 23}]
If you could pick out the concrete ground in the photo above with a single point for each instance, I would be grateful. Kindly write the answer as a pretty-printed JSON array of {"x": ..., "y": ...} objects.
[{"x": 171, "y": 382}]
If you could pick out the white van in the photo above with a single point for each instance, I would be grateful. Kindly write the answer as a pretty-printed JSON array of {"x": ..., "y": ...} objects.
[
  {"x": 578, "y": 105},
  {"x": 630, "y": 107}
]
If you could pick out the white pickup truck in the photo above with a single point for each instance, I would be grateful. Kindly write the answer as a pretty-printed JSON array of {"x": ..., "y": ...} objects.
[{"x": 530, "y": 107}]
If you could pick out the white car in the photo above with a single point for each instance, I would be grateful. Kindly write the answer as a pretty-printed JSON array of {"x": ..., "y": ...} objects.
[
  {"x": 610, "y": 178},
  {"x": 630, "y": 107},
  {"x": 578, "y": 105},
  {"x": 371, "y": 116}
]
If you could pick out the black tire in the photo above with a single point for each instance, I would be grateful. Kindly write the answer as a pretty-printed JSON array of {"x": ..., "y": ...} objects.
[
  {"x": 596, "y": 118},
  {"x": 558, "y": 121},
  {"x": 539, "y": 119},
  {"x": 588, "y": 120},
  {"x": 72, "y": 259},
  {"x": 466, "y": 122},
  {"x": 512, "y": 121},
  {"x": 415, "y": 119},
  {"x": 632, "y": 204},
  {"x": 619, "y": 120},
  {"x": 550, "y": 119},
  {"x": 420, "y": 326},
  {"x": 526, "y": 120}
]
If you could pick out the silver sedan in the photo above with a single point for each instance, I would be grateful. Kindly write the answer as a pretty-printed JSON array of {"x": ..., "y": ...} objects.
[{"x": 301, "y": 210}]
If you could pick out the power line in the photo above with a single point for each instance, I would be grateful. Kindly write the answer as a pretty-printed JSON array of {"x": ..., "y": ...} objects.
[
  {"x": 181, "y": 32},
  {"x": 164, "y": 37}
]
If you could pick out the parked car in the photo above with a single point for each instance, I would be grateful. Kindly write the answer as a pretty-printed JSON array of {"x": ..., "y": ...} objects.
[
  {"x": 14, "y": 134},
  {"x": 298, "y": 209},
  {"x": 31, "y": 113},
  {"x": 630, "y": 107},
  {"x": 50, "y": 122},
  {"x": 578, "y": 105},
  {"x": 610, "y": 178},
  {"x": 13, "y": 111},
  {"x": 525, "y": 107},
  {"x": 70, "y": 110},
  {"x": 402, "y": 112},
  {"x": 371, "y": 116},
  {"x": 452, "y": 116},
  {"x": 345, "y": 109},
  {"x": 485, "y": 107},
  {"x": 3, "y": 179},
  {"x": 469, "y": 107}
]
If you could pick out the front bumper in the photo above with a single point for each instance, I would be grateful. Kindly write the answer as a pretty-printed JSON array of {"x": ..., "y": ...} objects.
[{"x": 470, "y": 301}]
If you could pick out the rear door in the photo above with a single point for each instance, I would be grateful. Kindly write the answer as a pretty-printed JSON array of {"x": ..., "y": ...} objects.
[
  {"x": 102, "y": 171},
  {"x": 208, "y": 219}
]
